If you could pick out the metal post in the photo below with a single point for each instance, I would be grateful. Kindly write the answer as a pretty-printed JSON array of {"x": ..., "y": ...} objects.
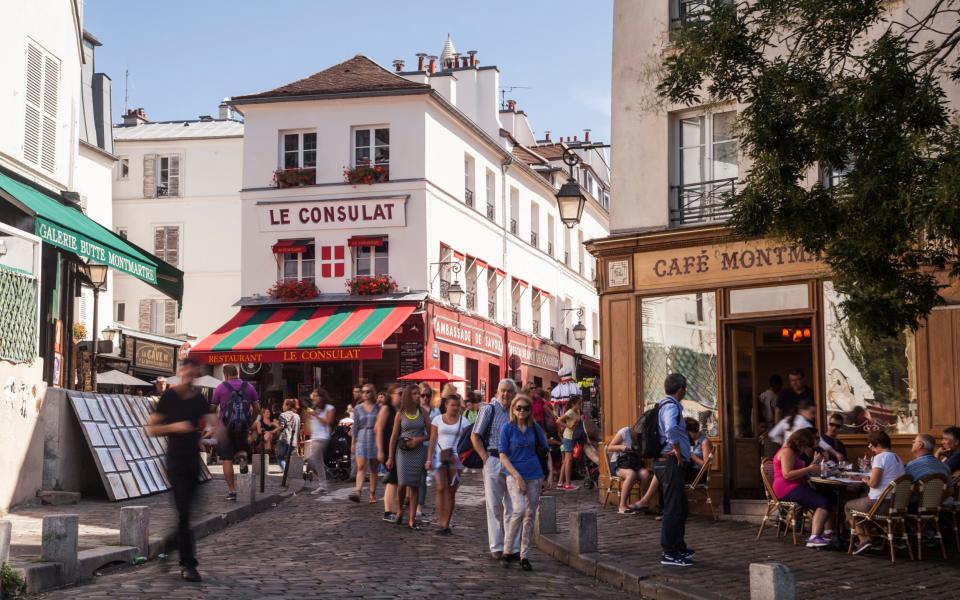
[
  {"x": 93, "y": 359},
  {"x": 286, "y": 466},
  {"x": 263, "y": 467}
]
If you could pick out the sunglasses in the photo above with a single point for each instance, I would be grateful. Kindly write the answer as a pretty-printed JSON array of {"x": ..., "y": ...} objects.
[
  {"x": 834, "y": 424},
  {"x": 521, "y": 408}
]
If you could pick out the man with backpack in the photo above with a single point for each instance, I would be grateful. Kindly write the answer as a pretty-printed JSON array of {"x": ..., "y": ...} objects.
[
  {"x": 237, "y": 406},
  {"x": 671, "y": 470}
]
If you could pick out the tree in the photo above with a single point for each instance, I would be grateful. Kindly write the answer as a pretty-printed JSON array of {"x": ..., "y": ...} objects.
[{"x": 855, "y": 88}]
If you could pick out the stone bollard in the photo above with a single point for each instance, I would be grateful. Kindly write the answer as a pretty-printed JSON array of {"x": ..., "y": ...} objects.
[
  {"x": 771, "y": 581},
  {"x": 255, "y": 463},
  {"x": 547, "y": 515},
  {"x": 135, "y": 528},
  {"x": 583, "y": 532},
  {"x": 6, "y": 533},
  {"x": 296, "y": 468},
  {"x": 247, "y": 487},
  {"x": 60, "y": 536}
]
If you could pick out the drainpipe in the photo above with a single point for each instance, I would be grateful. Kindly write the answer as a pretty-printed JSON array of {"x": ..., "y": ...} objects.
[{"x": 504, "y": 207}]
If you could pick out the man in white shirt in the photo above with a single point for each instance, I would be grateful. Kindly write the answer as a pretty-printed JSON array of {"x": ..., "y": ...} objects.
[{"x": 320, "y": 419}]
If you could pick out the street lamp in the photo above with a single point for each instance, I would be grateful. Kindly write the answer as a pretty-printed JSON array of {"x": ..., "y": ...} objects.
[
  {"x": 97, "y": 275},
  {"x": 570, "y": 198},
  {"x": 454, "y": 290},
  {"x": 579, "y": 330}
]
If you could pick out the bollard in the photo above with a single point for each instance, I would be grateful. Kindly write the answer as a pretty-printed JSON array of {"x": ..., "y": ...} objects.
[
  {"x": 255, "y": 464},
  {"x": 547, "y": 515},
  {"x": 583, "y": 532},
  {"x": 771, "y": 581},
  {"x": 296, "y": 467},
  {"x": 135, "y": 528},
  {"x": 6, "y": 532},
  {"x": 60, "y": 535},
  {"x": 247, "y": 488}
]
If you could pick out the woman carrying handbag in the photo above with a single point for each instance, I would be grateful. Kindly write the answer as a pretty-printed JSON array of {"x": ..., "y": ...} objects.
[
  {"x": 407, "y": 449},
  {"x": 442, "y": 458}
]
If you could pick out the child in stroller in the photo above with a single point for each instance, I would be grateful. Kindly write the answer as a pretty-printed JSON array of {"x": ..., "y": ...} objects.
[{"x": 337, "y": 458}]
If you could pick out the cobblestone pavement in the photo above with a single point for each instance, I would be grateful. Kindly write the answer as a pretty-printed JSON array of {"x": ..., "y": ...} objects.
[
  {"x": 327, "y": 547},
  {"x": 725, "y": 550}
]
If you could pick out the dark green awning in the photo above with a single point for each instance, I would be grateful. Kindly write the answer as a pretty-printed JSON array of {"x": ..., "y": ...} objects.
[{"x": 68, "y": 228}]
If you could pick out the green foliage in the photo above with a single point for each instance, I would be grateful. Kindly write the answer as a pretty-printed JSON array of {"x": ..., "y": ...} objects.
[
  {"x": 12, "y": 583},
  {"x": 844, "y": 86}
]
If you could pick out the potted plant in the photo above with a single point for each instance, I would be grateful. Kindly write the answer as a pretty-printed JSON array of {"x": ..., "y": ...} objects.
[
  {"x": 284, "y": 178},
  {"x": 366, "y": 173},
  {"x": 293, "y": 290},
  {"x": 366, "y": 285},
  {"x": 79, "y": 331}
]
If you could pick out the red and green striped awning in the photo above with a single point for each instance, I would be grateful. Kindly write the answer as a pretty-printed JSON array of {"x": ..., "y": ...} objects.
[{"x": 302, "y": 334}]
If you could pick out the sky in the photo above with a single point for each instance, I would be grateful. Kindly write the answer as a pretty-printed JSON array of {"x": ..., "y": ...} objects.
[{"x": 183, "y": 57}]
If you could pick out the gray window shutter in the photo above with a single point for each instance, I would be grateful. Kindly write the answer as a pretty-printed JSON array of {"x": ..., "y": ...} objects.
[
  {"x": 169, "y": 317},
  {"x": 160, "y": 243},
  {"x": 149, "y": 176},
  {"x": 173, "y": 245},
  {"x": 144, "y": 324},
  {"x": 173, "y": 185}
]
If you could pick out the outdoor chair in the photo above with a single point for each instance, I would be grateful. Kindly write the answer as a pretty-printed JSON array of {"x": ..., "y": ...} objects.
[
  {"x": 701, "y": 486},
  {"x": 613, "y": 482},
  {"x": 951, "y": 513},
  {"x": 786, "y": 513},
  {"x": 931, "y": 491},
  {"x": 900, "y": 490}
]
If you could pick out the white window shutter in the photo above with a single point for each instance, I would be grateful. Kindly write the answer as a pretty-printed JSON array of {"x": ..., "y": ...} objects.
[
  {"x": 173, "y": 185},
  {"x": 169, "y": 317},
  {"x": 172, "y": 242},
  {"x": 144, "y": 320},
  {"x": 149, "y": 176},
  {"x": 33, "y": 102},
  {"x": 51, "y": 97}
]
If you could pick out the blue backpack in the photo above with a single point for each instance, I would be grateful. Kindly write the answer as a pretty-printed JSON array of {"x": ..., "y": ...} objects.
[{"x": 236, "y": 414}]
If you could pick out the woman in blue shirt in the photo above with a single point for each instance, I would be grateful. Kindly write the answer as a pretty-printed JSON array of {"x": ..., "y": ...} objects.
[{"x": 519, "y": 441}]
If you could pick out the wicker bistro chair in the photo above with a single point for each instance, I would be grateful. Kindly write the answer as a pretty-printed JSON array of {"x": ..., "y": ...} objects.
[
  {"x": 701, "y": 486},
  {"x": 931, "y": 491},
  {"x": 951, "y": 513},
  {"x": 786, "y": 513},
  {"x": 900, "y": 491},
  {"x": 614, "y": 482}
]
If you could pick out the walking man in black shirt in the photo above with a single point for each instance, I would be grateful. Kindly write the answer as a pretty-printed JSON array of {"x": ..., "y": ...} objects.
[
  {"x": 178, "y": 416},
  {"x": 790, "y": 398}
]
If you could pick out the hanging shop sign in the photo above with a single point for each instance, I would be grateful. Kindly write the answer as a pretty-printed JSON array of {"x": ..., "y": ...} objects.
[
  {"x": 543, "y": 356},
  {"x": 155, "y": 356},
  {"x": 333, "y": 214},
  {"x": 81, "y": 245},
  {"x": 470, "y": 336}
]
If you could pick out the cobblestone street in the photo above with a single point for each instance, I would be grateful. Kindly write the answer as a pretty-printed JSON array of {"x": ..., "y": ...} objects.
[{"x": 313, "y": 547}]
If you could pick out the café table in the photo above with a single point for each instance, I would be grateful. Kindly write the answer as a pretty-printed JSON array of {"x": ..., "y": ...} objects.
[{"x": 838, "y": 483}]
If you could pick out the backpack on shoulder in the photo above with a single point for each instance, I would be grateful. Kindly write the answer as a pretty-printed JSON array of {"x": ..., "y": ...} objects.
[
  {"x": 236, "y": 415},
  {"x": 647, "y": 432},
  {"x": 468, "y": 454}
]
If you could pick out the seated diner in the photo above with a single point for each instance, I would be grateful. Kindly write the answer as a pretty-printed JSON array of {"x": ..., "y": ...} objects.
[
  {"x": 885, "y": 467},
  {"x": 949, "y": 450},
  {"x": 834, "y": 426},
  {"x": 791, "y": 482},
  {"x": 625, "y": 463},
  {"x": 700, "y": 447}
]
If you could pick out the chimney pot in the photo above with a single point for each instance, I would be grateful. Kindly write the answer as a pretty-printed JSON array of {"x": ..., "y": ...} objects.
[
  {"x": 575, "y": 138},
  {"x": 547, "y": 135},
  {"x": 134, "y": 117},
  {"x": 473, "y": 57},
  {"x": 512, "y": 105},
  {"x": 225, "y": 111},
  {"x": 433, "y": 64},
  {"x": 420, "y": 57},
  {"x": 398, "y": 65},
  {"x": 586, "y": 135}
]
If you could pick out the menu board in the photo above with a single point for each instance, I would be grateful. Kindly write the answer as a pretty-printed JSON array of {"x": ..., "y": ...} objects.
[{"x": 411, "y": 357}]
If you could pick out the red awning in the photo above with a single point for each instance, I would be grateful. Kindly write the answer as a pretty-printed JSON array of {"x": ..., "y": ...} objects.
[
  {"x": 290, "y": 247},
  {"x": 359, "y": 241}
]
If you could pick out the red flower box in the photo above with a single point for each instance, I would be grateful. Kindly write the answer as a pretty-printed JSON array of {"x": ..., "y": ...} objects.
[
  {"x": 284, "y": 178},
  {"x": 366, "y": 285},
  {"x": 366, "y": 173},
  {"x": 293, "y": 290}
]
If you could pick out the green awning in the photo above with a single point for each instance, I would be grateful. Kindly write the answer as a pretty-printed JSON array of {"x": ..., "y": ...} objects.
[{"x": 68, "y": 228}]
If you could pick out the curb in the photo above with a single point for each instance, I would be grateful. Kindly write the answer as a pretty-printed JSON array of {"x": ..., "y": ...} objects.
[
  {"x": 45, "y": 576},
  {"x": 618, "y": 576}
]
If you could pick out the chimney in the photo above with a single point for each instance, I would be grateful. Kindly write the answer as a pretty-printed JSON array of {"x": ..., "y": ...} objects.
[
  {"x": 456, "y": 60},
  {"x": 512, "y": 105},
  {"x": 547, "y": 136},
  {"x": 586, "y": 135},
  {"x": 575, "y": 139},
  {"x": 225, "y": 111},
  {"x": 134, "y": 117},
  {"x": 398, "y": 65},
  {"x": 420, "y": 57},
  {"x": 473, "y": 57},
  {"x": 205, "y": 118},
  {"x": 432, "y": 67}
]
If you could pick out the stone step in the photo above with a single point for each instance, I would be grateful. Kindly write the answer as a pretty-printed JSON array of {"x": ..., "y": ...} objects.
[{"x": 56, "y": 498}]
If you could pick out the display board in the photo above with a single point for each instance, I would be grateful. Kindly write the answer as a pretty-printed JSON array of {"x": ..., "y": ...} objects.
[{"x": 131, "y": 463}]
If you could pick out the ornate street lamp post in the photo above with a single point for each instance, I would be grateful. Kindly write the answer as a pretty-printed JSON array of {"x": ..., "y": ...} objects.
[{"x": 97, "y": 274}]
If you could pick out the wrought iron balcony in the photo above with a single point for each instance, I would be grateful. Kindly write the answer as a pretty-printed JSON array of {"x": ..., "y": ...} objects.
[
  {"x": 468, "y": 197},
  {"x": 471, "y": 300},
  {"x": 703, "y": 202},
  {"x": 445, "y": 289},
  {"x": 516, "y": 319},
  {"x": 536, "y": 327},
  {"x": 491, "y": 212},
  {"x": 688, "y": 11},
  {"x": 491, "y": 309},
  {"x": 550, "y": 248},
  {"x": 513, "y": 226},
  {"x": 553, "y": 332},
  {"x": 533, "y": 238}
]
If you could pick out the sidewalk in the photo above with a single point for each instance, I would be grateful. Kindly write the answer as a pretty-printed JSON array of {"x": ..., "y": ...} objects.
[{"x": 629, "y": 551}]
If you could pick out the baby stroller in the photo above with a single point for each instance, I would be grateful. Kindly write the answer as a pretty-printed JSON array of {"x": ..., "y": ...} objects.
[
  {"x": 337, "y": 457},
  {"x": 585, "y": 454}
]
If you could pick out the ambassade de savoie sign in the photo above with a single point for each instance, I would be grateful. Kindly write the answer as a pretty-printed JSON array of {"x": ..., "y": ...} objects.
[{"x": 310, "y": 215}]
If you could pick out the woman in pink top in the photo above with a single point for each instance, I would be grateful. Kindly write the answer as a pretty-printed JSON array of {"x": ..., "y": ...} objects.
[{"x": 790, "y": 482}]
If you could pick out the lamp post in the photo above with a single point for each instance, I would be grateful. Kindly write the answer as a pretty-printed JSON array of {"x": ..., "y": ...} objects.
[
  {"x": 455, "y": 291},
  {"x": 97, "y": 274},
  {"x": 579, "y": 330},
  {"x": 570, "y": 198}
]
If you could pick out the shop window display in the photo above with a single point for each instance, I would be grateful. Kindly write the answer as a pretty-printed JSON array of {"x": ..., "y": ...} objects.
[
  {"x": 680, "y": 335},
  {"x": 868, "y": 379}
]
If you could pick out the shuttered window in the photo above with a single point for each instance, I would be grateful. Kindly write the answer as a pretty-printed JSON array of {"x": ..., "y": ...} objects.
[
  {"x": 41, "y": 98},
  {"x": 162, "y": 175},
  {"x": 158, "y": 316},
  {"x": 166, "y": 244}
]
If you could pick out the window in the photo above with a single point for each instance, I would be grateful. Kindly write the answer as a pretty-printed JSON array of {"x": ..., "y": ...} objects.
[
  {"x": 492, "y": 289},
  {"x": 300, "y": 150},
  {"x": 534, "y": 225},
  {"x": 161, "y": 175},
  {"x": 605, "y": 201},
  {"x": 41, "y": 101},
  {"x": 707, "y": 167},
  {"x": 123, "y": 169},
  {"x": 469, "y": 185},
  {"x": 166, "y": 244},
  {"x": 119, "y": 312},
  {"x": 831, "y": 177},
  {"x": 514, "y": 210},
  {"x": 536, "y": 303},
  {"x": 158, "y": 316},
  {"x": 516, "y": 293},
  {"x": 550, "y": 234},
  {"x": 446, "y": 271},
  {"x": 122, "y": 232},
  {"x": 373, "y": 142},
  {"x": 299, "y": 266},
  {"x": 471, "y": 291},
  {"x": 491, "y": 195},
  {"x": 371, "y": 259}
]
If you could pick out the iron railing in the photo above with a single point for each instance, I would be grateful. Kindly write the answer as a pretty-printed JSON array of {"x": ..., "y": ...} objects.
[
  {"x": 536, "y": 327},
  {"x": 533, "y": 238},
  {"x": 471, "y": 300},
  {"x": 516, "y": 319},
  {"x": 550, "y": 248},
  {"x": 513, "y": 226},
  {"x": 491, "y": 212},
  {"x": 468, "y": 197},
  {"x": 703, "y": 202},
  {"x": 687, "y": 11},
  {"x": 491, "y": 309}
]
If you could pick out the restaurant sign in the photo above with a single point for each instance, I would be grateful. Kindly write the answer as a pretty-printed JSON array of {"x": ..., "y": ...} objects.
[
  {"x": 723, "y": 263},
  {"x": 275, "y": 356},
  {"x": 86, "y": 247},
  {"x": 155, "y": 356},
  {"x": 462, "y": 334},
  {"x": 543, "y": 356},
  {"x": 332, "y": 214}
]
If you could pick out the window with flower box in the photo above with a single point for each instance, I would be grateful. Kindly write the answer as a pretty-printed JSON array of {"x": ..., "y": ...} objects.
[
  {"x": 370, "y": 255},
  {"x": 299, "y": 150},
  {"x": 299, "y": 265},
  {"x": 371, "y": 146}
]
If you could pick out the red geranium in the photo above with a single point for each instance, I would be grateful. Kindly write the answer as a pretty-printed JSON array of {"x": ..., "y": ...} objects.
[
  {"x": 365, "y": 173},
  {"x": 293, "y": 290},
  {"x": 371, "y": 284}
]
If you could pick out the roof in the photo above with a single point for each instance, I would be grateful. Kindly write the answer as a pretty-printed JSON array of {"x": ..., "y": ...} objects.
[
  {"x": 523, "y": 153},
  {"x": 550, "y": 151},
  {"x": 448, "y": 50},
  {"x": 357, "y": 75},
  {"x": 178, "y": 130}
]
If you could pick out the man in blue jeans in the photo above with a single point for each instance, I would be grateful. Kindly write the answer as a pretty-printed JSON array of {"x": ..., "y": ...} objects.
[{"x": 671, "y": 469}]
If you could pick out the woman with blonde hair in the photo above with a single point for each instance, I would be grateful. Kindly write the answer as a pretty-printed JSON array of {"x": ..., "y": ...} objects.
[
  {"x": 364, "y": 446},
  {"x": 407, "y": 450},
  {"x": 446, "y": 431},
  {"x": 522, "y": 442}
]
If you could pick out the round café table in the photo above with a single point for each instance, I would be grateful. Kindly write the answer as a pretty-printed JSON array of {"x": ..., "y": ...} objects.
[{"x": 838, "y": 484}]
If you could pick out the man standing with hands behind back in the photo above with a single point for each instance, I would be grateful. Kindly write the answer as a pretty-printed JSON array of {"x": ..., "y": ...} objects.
[
  {"x": 671, "y": 470},
  {"x": 178, "y": 416}
]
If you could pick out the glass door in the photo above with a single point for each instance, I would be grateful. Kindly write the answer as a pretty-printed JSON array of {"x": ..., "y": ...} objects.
[{"x": 742, "y": 413}]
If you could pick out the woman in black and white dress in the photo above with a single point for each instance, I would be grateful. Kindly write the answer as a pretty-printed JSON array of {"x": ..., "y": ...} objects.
[
  {"x": 407, "y": 449},
  {"x": 446, "y": 431}
]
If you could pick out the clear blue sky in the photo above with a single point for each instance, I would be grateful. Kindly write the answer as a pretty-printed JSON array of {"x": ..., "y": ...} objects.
[{"x": 184, "y": 56}]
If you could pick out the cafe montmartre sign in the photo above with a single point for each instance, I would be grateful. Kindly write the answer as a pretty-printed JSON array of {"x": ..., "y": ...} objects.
[
  {"x": 723, "y": 263},
  {"x": 310, "y": 215}
]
